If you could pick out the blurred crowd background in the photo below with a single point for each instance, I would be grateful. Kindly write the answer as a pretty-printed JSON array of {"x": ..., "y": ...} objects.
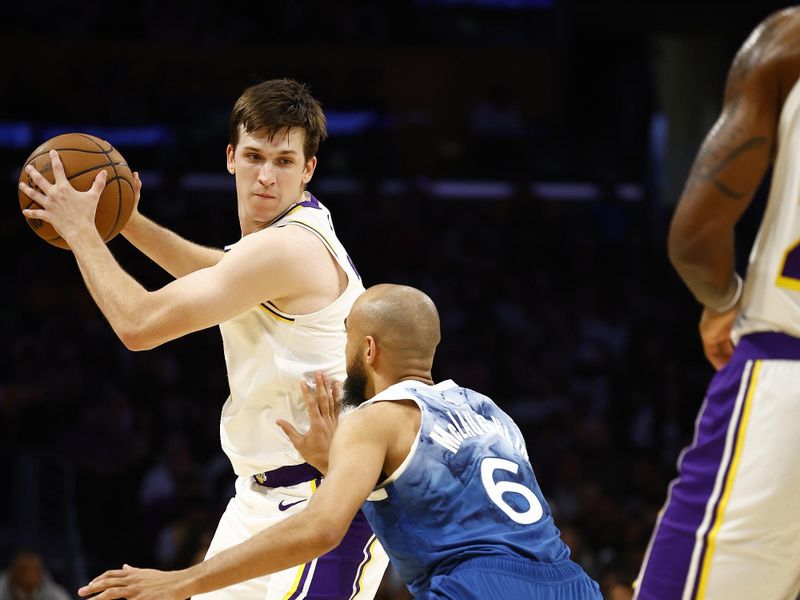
[{"x": 518, "y": 160}]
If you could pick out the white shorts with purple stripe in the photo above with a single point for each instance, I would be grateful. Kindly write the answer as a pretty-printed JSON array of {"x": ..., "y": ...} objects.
[
  {"x": 351, "y": 571},
  {"x": 730, "y": 528}
]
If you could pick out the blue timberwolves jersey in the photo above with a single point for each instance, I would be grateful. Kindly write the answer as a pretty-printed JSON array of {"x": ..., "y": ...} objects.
[{"x": 466, "y": 489}]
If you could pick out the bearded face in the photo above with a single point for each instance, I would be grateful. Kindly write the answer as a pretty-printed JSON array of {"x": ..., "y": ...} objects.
[{"x": 354, "y": 390}]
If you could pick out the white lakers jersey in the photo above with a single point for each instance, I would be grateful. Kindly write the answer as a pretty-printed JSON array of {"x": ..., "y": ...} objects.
[
  {"x": 771, "y": 297},
  {"x": 268, "y": 351}
]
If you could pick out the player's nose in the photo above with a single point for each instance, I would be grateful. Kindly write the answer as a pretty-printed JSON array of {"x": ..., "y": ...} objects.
[{"x": 266, "y": 175}]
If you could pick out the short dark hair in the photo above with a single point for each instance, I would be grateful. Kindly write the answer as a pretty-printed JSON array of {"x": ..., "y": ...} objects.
[{"x": 279, "y": 104}]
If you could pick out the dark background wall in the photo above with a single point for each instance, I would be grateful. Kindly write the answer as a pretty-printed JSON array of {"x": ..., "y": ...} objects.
[{"x": 518, "y": 163}]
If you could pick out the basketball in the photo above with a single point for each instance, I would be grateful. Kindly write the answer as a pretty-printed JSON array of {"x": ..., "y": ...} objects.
[{"x": 83, "y": 157}]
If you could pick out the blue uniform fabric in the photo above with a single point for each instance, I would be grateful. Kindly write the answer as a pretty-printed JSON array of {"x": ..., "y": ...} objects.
[
  {"x": 466, "y": 493},
  {"x": 504, "y": 578}
]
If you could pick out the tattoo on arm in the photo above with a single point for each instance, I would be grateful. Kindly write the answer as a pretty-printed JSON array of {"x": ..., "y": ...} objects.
[
  {"x": 718, "y": 155},
  {"x": 731, "y": 149}
]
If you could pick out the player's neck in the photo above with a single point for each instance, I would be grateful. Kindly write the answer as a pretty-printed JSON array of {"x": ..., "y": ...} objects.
[{"x": 381, "y": 382}]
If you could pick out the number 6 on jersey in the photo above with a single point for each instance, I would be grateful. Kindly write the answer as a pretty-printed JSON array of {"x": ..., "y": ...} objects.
[{"x": 496, "y": 489}]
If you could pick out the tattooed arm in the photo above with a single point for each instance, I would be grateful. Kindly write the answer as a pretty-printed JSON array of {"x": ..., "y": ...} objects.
[{"x": 728, "y": 170}]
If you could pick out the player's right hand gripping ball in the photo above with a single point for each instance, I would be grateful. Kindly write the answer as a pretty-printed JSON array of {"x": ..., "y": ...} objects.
[{"x": 83, "y": 157}]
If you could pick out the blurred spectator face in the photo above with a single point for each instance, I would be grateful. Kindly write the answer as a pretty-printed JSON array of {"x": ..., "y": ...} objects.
[
  {"x": 271, "y": 173},
  {"x": 26, "y": 572}
]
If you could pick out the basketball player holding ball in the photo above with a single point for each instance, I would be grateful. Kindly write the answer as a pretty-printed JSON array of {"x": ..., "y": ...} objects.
[{"x": 279, "y": 295}]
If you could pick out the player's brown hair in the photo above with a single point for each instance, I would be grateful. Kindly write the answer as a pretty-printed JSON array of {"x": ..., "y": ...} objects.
[{"x": 279, "y": 104}]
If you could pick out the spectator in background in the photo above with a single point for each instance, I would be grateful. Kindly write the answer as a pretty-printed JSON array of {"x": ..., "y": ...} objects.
[{"x": 27, "y": 579}]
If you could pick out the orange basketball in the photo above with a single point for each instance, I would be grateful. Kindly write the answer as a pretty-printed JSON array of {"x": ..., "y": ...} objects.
[{"x": 83, "y": 156}]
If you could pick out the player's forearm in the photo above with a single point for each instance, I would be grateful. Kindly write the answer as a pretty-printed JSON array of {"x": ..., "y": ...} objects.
[
  {"x": 706, "y": 265},
  {"x": 119, "y": 296},
  {"x": 294, "y": 541},
  {"x": 167, "y": 249}
]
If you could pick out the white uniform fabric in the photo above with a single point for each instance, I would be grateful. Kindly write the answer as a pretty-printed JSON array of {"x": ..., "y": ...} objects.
[
  {"x": 267, "y": 352},
  {"x": 253, "y": 509},
  {"x": 771, "y": 296},
  {"x": 750, "y": 547}
]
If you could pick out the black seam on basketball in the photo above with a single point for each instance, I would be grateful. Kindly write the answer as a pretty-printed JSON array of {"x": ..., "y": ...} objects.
[
  {"x": 94, "y": 141},
  {"x": 96, "y": 167},
  {"x": 118, "y": 178},
  {"x": 35, "y": 156},
  {"x": 86, "y": 137},
  {"x": 119, "y": 195}
]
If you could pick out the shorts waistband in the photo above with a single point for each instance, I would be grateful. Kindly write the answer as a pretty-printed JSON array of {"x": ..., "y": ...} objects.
[
  {"x": 769, "y": 345},
  {"x": 287, "y": 476}
]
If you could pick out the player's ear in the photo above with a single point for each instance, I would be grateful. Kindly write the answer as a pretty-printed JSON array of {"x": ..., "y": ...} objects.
[
  {"x": 371, "y": 350},
  {"x": 229, "y": 152},
  {"x": 308, "y": 171}
]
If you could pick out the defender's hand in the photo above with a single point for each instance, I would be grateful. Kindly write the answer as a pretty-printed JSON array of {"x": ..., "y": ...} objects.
[
  {"x": 136, "y": 584},
  {"x": 322, "y": 406}
]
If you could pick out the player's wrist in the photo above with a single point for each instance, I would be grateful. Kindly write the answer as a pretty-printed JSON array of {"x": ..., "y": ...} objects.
[
  {"x": 731, "y": 297},
  {"x": 79, "y": 236},
  {"x": 134, "y": 223},
  {"x": 188, "y": 582}
]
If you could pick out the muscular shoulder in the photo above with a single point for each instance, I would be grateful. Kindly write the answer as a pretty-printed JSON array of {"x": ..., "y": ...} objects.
[
  {"x": 393, "y": 425},
  {"x": 279, "y": 239},
  {"x": 783, "y": 25},
  {"x": 285, "y": 248},
  {"x": 385, "y": 418},
  {"x": 287, "y": 264},
  {"x": 772, "y": 50}
]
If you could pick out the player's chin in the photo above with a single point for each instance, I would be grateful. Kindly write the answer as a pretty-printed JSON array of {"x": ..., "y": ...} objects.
[{"x": 262, "y": 211}]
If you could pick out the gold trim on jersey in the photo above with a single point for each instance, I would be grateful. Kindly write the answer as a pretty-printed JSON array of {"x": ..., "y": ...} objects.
[
  {"x": 369, "y": 557},
  {"x": 789, "y": 283},
  {"x": 300, "y": 580},
  {"x": 292, "y": 209},
  {"x": 274, "y": 312},
  {"x": 304, "y": 575}
]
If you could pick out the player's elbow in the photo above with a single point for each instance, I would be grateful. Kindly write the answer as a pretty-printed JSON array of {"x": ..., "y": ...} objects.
[
  {"x": 326, "y": 529},
  {"x": 330, "y": 537},
  {"x": 133, "y": 342},
  {"x": 136, "y": 338},
  {"x": 678, "y": 254}
]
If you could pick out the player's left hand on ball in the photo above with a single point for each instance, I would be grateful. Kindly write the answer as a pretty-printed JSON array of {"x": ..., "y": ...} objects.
[
  {"x": 135, "y": 584},
  {"x": 64, "y": 207},
  {"x": 322, "y": 406}
]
